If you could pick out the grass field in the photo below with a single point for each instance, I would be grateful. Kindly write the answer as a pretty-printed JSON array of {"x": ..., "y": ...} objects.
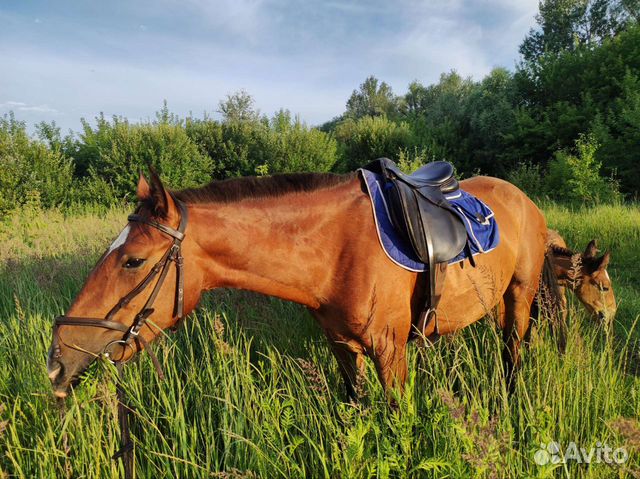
[{"x": 251, "y": 389}]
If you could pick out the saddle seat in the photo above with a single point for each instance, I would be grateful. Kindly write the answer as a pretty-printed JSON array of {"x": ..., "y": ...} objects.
[{"x": 438, "y": 174}]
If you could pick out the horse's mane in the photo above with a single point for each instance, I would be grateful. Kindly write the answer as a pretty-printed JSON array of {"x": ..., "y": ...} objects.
[
  {"x": 561, "y": 251},
  {"x": 236, "y": 189}
]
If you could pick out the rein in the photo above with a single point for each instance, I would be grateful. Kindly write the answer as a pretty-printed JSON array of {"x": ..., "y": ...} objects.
[{"x": 132, "y": 333}]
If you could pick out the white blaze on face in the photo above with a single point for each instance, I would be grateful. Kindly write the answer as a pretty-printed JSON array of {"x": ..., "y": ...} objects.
[
  {"x": 606, "y": 273},
  {"x": 119, "y": 241}
]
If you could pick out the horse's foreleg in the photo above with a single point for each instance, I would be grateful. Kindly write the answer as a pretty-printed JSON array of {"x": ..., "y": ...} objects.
[{"x": 388, "y": 351}]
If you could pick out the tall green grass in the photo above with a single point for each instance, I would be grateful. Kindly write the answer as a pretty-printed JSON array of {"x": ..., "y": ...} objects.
[{"x": 251, "y": 389}]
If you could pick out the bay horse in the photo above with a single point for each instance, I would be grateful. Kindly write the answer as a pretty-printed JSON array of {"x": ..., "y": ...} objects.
[{"x": 306, "y": 238}]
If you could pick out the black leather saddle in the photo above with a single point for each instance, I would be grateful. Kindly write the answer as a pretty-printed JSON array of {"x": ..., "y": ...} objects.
[{"x": 425, "y": 219}]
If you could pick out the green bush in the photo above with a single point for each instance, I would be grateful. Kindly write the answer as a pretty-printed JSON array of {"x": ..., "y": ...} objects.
[
  {"x": 574, "y": 176},
  {"x": 529, "y": 178},
  {"x": 30, "y": 171},
  {"x": 235, "y": 147},
  {"x": 409, "y": 160},
  {"x": 247, "y": 146},
  {"x": 291, "y": 146},
  {"x": 368, "y": 138},
  {"x": 116, "y": 151}
]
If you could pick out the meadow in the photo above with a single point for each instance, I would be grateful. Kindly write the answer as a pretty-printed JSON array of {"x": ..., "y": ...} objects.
[{"x": 251, "y": 389}]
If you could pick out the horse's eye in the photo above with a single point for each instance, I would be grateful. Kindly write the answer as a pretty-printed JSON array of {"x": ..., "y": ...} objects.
[
  {"x": 133, "y": 263},
  {"x": 604, "y": 288}
]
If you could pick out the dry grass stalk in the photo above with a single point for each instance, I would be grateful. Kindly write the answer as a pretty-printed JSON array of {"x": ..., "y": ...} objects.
[
  {"x": 313, "y": 375},
  {"x": 234, "y": 473}
]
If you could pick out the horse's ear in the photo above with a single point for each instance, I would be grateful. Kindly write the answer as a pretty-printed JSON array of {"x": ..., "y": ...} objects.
[
  {"x": 159, "y": 197},
  {"x": 153, "y": 193},
  {"x": 604, "y": 261},
  {"x": 144, "y": 190},
  {"x": 591, "y": 250}
]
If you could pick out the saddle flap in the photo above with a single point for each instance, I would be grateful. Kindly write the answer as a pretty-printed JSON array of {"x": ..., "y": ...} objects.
[{"x": 427, "y": 226}]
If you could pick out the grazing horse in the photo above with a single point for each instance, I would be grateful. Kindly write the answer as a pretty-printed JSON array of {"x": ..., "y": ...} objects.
[
  {"x": 307, "y": 238},
  {"x": 586, "y": 275}
]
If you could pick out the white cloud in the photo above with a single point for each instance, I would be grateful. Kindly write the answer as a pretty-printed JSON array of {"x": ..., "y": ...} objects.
[
  {"x": 21, "y": 106},
  {"x": 38, "y": 108},
  {"x": 12, "y": 104}
]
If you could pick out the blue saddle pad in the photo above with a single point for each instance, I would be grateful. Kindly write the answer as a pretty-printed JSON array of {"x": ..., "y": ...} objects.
[{"x": 482, "y": 229}]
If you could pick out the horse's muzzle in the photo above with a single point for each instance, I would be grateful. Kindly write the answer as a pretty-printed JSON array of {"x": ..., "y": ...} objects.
[{"x": 58, "y": 373}]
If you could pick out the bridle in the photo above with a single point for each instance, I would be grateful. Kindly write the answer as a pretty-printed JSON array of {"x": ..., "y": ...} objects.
[
  {"x": 132, "y": 333},
  {"x": 161, "y": 268}
]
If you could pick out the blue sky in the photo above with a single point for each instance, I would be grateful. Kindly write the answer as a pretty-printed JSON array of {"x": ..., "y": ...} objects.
[{"x": 66, "y": 60}]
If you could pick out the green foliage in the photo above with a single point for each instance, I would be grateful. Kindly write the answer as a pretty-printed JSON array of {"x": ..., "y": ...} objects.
[
  {"x": 575, "y": 176},
  {"x": 565, "y": 25},
  {"x": 116, "y": 151},
  {"x": 250, "y": 146},
  {"x": 491, "y": 116},
  {"x": 409, "y": 160},
  {"x": 438, "y": 116},
  {"x": 239, "y": 106},
  {"x": 291, "y": 146},
  {"x": 368, "y": 138},
  {"x": 30, "y": 171},
  {"x": 235, "y": 147},
  {"x": 529, "y": 178},
  {"x": 373, "y": 98},
  {"x": 589, "y": 89}
]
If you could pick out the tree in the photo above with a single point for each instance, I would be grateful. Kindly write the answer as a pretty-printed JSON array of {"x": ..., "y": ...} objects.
[
  {"x": 239, "y": 106},
  {"x": 373, "y": 98},
  {"x": 438, "y": 116},
  {"x": 491, "y": 115},
  {"x": 567, "y": 24}
]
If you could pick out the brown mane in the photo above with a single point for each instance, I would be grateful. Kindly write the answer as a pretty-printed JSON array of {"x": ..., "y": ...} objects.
[
  {"x": 236, "y": 189},
  {"x": 560, "y": 251}
]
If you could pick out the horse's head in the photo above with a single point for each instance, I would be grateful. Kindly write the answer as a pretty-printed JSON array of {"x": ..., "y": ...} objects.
[
  {"x": 118, "y": 292},
  {"x": 586, "y": 274}
]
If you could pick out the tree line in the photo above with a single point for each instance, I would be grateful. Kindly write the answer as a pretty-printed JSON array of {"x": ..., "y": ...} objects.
[{"x": 565, "y": 124}]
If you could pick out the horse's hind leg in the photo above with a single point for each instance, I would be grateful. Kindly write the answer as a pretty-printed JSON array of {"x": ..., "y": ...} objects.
[
  {"x": 351, "y": 365},
  {"x": 517, "y": 305}
]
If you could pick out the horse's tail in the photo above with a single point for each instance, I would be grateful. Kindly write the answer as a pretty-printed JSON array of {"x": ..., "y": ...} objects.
[{"x": 550, "y": 302}]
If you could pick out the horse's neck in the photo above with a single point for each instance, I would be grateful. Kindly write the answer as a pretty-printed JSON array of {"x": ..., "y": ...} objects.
[{"x": 279, "y": 246}]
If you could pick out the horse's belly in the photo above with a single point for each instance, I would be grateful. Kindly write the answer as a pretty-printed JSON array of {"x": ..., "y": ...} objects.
[{"x": 471, "y": 293}]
